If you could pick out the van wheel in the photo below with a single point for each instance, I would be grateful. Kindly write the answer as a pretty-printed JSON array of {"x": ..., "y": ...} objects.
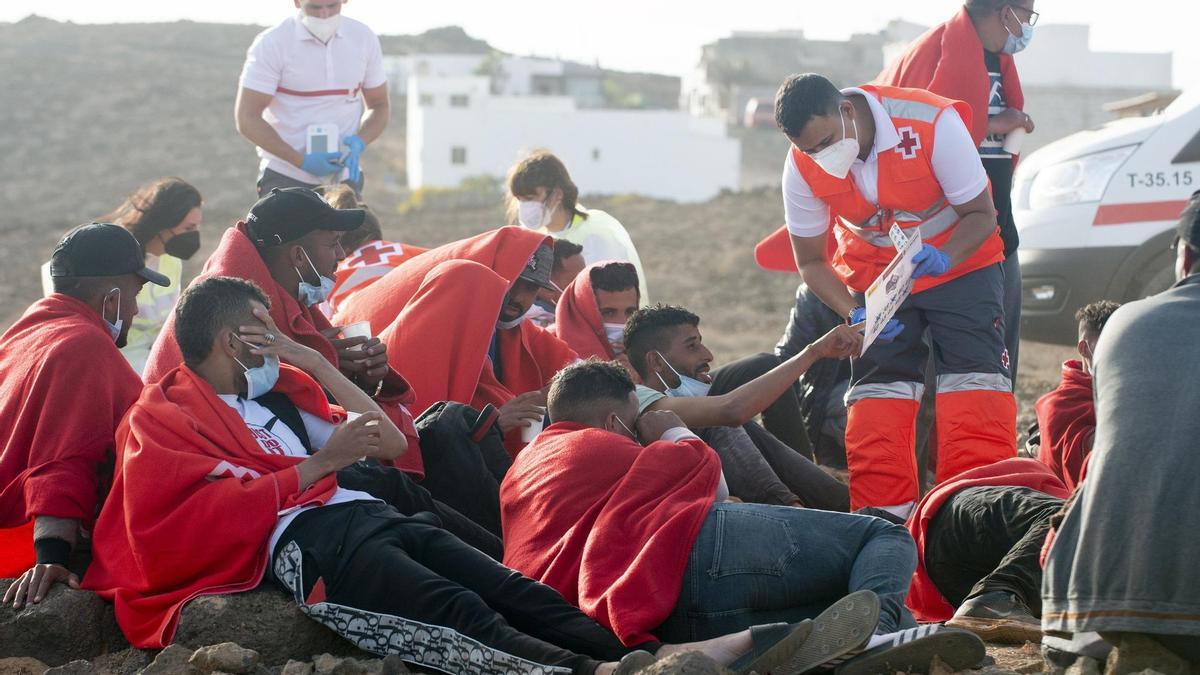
[{"x": 1155, "y": 277}]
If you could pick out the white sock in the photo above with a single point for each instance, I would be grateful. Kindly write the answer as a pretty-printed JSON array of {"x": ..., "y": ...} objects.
[{"x": 902, "y": 636}]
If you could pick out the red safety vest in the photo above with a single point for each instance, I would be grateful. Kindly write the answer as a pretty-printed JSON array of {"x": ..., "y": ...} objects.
[{"x": 909, "y": 195}]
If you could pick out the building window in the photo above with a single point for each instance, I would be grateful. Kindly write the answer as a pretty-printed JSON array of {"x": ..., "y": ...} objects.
[
  {"x": 426, "y": 100},
  {"x": 595, "y": 154},
  {"x": 458, "y": 155},
  {"x": 459, "y": 100}
]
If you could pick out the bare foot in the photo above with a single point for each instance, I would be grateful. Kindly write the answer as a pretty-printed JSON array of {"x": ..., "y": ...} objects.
[{"x": 724, "y": 650}]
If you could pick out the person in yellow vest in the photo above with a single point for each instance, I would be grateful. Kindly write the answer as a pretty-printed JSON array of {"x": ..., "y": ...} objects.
[
  {"x": 164, "y": 216},
  {"x": 863, "y": 159},
  {"x": 543, "y": 197}
]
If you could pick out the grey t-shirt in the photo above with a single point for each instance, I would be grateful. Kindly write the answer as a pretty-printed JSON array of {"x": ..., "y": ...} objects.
[{"x": 646, "y": 396}]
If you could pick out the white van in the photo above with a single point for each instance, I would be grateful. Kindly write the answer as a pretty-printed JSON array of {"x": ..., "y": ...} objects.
[{"x": 1096, "y": 214}]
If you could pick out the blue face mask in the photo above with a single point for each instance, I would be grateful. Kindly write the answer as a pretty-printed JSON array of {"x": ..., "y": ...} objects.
[
  {"x": 260, "y": 379},
  {"x": 115, "y": 328},
  {"x": 312, "y": 294},
  {"x": 688, "y": 386},
  {"x": 1013, "y": 43}
]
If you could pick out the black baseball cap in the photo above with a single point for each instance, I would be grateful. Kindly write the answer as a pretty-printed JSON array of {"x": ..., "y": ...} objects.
[
  {"x": 1188, "y": 228},
  {"x": 538, "y": 269},
  {"x": 286, "y": 214},
  {"x": 101, "y": 250}
]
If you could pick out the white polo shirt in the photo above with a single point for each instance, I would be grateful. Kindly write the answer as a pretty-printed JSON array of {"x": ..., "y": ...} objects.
[
  {"x": 311, "y": 82},
  {"x": 955, "y": 160}
]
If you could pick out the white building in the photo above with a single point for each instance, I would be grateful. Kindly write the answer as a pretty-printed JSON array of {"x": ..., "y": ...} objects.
[{"x": 457, "y": 129}]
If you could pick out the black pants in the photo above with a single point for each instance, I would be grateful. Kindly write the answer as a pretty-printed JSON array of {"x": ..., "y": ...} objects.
[
  {"x": 270, "y": 179},
  {"x": 986, "y": 539},
  {"x": 782, "y": 418},
  {"x": 394, "y": 584},
  {"x": 401, "y": 492}
]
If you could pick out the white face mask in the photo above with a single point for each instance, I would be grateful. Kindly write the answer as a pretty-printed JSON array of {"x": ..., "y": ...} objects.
[
  {"x": 533, "y": 214},
  {"x": 322, "y": 29},
  {"x": 615, "y": 332},
  {"x": 114, "y": 327},
  {"x": 313, "y": 294},
  {"x": 837, "y": 157},
  {"x": 688, "y": 386}
]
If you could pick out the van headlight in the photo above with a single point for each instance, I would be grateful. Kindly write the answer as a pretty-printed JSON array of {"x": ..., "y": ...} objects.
[{"x": 1081, "y": 179}]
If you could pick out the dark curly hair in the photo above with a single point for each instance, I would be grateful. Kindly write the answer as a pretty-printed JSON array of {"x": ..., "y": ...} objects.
[
  {"x": 1095, "y": 315},
  {"x": 647, "y": 329}
]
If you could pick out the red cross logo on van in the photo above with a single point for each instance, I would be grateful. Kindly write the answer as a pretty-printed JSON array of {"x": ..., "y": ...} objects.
[{"x": 909, "y": 143}]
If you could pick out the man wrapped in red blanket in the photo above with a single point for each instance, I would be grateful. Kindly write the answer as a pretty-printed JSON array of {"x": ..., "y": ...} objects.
[
  {"x": 64, "y": 386},
  {"x": 290, "y": 246}
]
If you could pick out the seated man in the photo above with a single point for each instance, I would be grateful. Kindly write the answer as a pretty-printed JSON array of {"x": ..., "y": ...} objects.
[
  {"x": 290, "y": 245},
  {"x": 369, "y": 255},
  {"x": 1124, "y": 560},
  {"x": 979, "y": 542},
  {"x": 1067, "y": 416},
  {"x": 665, "y": 346},
  {"x": 467, "y": 324},
  {"x": 231, "y": 461},
  {"x": 64, "y": 387},
  {"x": 592, "y": 312},
  {"x": 643, "y": 541},
  {"x": 568, "y": 263}
]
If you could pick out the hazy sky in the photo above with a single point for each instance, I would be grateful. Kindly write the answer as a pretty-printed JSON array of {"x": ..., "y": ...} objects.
[{"x": 660, "y": 35}]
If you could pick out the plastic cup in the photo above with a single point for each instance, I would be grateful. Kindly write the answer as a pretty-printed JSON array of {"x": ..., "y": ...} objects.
[
  {"x": 531, "y": 430},
  {"x": 1014, "y": 140},
  {"x": 360, "y": 329}
]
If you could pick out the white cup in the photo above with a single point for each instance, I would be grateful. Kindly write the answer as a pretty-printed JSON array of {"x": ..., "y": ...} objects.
[
  {"x": 533, "y": 428},
  {"x": 360, "y": 329},
  {"x": 1014, "y": 140}
]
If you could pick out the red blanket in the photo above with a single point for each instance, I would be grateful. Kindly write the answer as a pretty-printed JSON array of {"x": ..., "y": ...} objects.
[
  {"x": 194, "y": 502},
  {"x": 948, "y": 61},
  {"x": 438, "y": 320},
  {"x": 236, "y": 256},
  {"x": 924, "y": 600},
  {"x": 607, "y": 523},
  {"x": 1067, "y": 421},
  {"x": 64, "y": 387},
  {"x": 577, "y": 319}
]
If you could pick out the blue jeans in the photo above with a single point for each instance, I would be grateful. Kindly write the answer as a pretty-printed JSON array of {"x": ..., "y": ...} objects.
[{"x": 754, "y": 564}]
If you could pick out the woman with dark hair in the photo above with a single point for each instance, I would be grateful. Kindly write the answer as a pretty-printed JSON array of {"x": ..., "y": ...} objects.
[
  {"x": 542, "y": 197},
  {"x": 164, "y": 216}
]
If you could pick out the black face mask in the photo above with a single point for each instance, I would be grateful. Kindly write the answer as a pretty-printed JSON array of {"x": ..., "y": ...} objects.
[{"x": 183, "y": 246}]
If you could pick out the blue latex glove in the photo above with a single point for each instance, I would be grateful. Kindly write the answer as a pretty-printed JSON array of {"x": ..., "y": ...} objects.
[
  {"x": 355, "y": 146},
  {"x": 930, "y": 261},
  {"x": 321, "y": 163},
  {"x": 890, "y": 332}
]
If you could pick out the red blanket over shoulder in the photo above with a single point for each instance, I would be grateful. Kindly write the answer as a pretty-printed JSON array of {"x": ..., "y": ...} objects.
[
  {"x": 1067, "y": 421},
  {"x": 948, "y": 61},
  {"x": 924, "y": 600},
  {"x": 607, "y": 523},
  {"x": 194, "y": 502},
  {"x": 577, "y": 319},
  {"x": 438, "y": 320},
  {"x": 64, "y": 387},
  {"x": 236, "y": 256}
]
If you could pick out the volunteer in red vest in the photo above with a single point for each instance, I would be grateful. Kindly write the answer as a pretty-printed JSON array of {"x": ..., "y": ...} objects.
[
  {"x": 314, "y": 68},
  {"x": 864, "y": 159},
  {"x": 1067, "y": 416},
  {"x": 458, "y": 331},
  {"x": 970, "y": 58},
  {"x": 290, "y": 245},
  {"x": 64, "y": 387}
]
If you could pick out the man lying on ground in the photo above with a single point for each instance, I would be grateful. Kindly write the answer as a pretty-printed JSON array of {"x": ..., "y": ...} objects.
[
  {"x": 1067, "y": 416},
  {"x": 979, "y": 543},
  {"x": 665, "y": 347},
  {"x": 213, "y": 484},
  {"x": 64, "y": 387},
  {"x": 1124, "y": 560},
  {"x": 642, "y": 539}
]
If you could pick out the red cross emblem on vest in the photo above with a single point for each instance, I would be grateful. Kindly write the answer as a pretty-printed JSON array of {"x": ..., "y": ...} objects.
[
  {"x": 373, "y": 255},
  {"x": 909, "y": 143}
]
